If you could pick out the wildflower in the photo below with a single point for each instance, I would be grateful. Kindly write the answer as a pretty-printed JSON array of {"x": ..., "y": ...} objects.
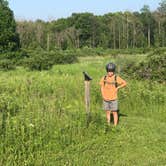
[{"x": 31, "y": 125}]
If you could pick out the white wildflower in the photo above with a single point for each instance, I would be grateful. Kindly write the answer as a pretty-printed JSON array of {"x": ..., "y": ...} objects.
[{"x": 31, "y": 125}]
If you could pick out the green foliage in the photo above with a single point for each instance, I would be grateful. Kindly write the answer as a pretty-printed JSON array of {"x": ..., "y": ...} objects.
[
  {"x": 50, "y": 127},
  {"x": 45, "y": 60},
  {"x": 14, "y": 55},
  {"x": 4, "y": 2},
  {"x": 9, "y": 60},
  {"x": 7, "y": 64},
  {"x": 9, "y": 39},
  {"x": 154, "y": 68},
  {"x": 87, "y": 51},
  {"x": 162, "y": 7},
  {"x": 35, "y": 60},
  {"x": 9, "y": 104},
  {"x": 120, "y": 30}
]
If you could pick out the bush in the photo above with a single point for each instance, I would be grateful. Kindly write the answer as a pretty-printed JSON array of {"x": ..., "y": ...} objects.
[
  {"x": 45, "y": 60},
  {"x": 35, "y": 60},
  {"x": 65, "y": 58},
  {"x": 9, "y": 60},
  {"x": 99, "y": 51},
  {"x": 154, "y": 68},
  {"x": 38, "y": 62},
  {"x": 7, "y": 64},
  {"x": 14, "y": 55}
]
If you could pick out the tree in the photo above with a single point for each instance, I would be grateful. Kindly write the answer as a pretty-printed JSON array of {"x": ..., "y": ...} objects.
[
  {"x": 162, "y": 7},
  {"x": 117, "y": 30},
  {"x": 138, "y": 35},
  {"x": 9, "y": 39},
  {"x": 161, "y": 10},
  {"x": 88, "y": 26},
  {"x": 4, "y": 2},
  {"x": 148, "y": 21}
]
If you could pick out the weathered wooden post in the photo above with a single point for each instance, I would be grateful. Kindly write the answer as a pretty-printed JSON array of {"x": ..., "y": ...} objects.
[{"x": 87, "y": 80}]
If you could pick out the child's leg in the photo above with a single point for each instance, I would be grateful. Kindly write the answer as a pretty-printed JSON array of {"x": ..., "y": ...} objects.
[
  {"x": 108, "y": 116},
  {"x": 115, "y": 115}
]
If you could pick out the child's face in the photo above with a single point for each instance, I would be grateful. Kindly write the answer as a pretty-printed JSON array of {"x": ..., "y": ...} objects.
[{"x": 110, "y": 73}]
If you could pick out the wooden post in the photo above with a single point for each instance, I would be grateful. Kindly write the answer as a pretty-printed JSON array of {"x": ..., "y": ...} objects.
[{"x": 87, "y": 95}]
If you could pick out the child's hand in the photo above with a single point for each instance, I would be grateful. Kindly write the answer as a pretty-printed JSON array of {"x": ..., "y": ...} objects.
[{"x": 116, "y": 90}]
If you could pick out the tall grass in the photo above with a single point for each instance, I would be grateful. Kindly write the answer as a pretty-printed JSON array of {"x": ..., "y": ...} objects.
[{"x": 43, "y": 120}]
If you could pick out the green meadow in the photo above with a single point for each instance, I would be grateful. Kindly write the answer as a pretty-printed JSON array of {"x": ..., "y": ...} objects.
[{"x": 43, "y": 119}]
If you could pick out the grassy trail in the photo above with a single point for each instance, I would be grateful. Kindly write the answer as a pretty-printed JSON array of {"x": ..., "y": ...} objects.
[
  {"x": 43, "y": 120},
  {"x": 136, "y": 141}
]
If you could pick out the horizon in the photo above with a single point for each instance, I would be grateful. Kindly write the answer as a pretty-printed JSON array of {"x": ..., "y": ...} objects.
[{"x": 56, "y": 10}]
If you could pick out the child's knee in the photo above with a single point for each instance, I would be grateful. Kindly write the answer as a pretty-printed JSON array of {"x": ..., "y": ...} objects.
[{"x": 115, "y": 113}]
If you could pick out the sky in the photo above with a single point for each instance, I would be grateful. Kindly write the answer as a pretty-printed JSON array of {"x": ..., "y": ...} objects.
[{"x": 48, "y": 10}]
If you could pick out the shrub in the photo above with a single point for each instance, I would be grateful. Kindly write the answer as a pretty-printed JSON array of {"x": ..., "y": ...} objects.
[
  {"x": 154, "y": 68},
  {"x": 14, "y": 55},
  {"x": 45, "y": 60},
  {"x": 35, "y": 60},
  {"x": 7, "y": 64},
  {"x": 65, "y": 58},
  {"x": 38, "y": 62},
  {"x": 9, "y": 60}
]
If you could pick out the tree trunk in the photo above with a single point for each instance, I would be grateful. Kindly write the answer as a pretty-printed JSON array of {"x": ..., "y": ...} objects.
[
  {"x": 114, "y": 34},
  {"x": 127, "y": 34},
  {"x": 134, "y": 34},
  {"x": 123, "y": 46},
  {"x": 119, "y": 38},
  {"x": 93, "y": 40},
  {"x": 77, "y": 39},
  {"x": 149, "y": 36},
  {"x": 78, "y": 42},
  {"x": 159, "y": 27},
  {"x": 48, "y": 42},
  {"x": 163, "y": 38}
]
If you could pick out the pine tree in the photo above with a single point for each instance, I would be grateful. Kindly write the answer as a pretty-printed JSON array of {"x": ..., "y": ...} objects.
[{"x": 9, "y": 39}]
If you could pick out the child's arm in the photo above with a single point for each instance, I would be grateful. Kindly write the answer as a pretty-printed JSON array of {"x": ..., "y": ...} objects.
[
  {"x": 101, "y": 84},
  {"x": 121, "y": 83}
]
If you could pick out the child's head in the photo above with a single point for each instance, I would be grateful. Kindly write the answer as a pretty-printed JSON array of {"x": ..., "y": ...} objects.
[{"x": 110, "y": 68}]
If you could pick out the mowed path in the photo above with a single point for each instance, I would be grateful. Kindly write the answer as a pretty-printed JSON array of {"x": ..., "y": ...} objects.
[{"x": 135, "y": 141}]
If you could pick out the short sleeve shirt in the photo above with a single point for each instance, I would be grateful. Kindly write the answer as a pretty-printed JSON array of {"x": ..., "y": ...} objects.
[{"x": 108, "y": 88}]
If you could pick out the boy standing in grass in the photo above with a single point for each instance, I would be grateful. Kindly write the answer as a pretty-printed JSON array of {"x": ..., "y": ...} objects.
[{"x": 110, "y": 84}]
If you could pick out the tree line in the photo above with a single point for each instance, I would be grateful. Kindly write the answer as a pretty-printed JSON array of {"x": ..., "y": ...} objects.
[
  {"x": 61, "y": 41},
  {"x": 118, "y": 30}
]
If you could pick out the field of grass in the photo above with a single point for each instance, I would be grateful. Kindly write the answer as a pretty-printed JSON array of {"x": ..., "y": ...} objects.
[{"x": 43, "y": 119}]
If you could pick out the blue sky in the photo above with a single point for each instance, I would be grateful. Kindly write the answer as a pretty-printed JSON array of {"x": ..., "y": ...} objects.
[{"x": 53, "y": 9}]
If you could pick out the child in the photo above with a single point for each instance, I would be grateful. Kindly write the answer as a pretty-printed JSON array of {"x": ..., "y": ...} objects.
[{"x": 110, "y": 84}]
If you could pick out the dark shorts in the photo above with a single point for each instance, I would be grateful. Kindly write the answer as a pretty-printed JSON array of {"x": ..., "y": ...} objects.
[{"x": 111, "y": 105}]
